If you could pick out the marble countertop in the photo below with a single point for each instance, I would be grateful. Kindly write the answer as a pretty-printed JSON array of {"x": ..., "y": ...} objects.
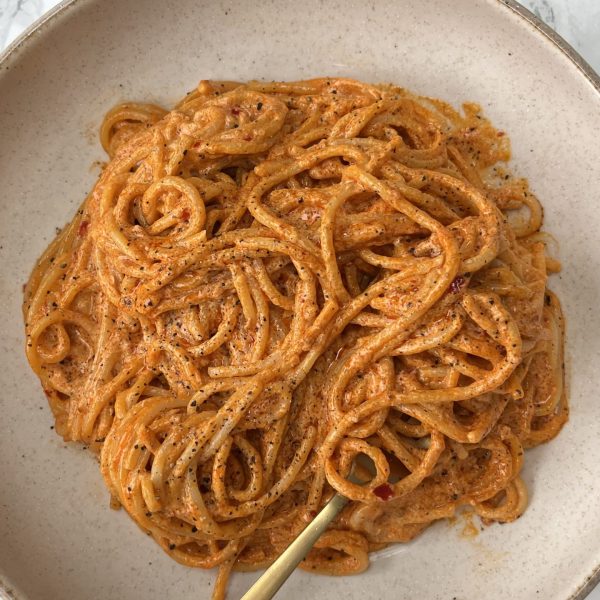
[{"x": 578, "y": 21}]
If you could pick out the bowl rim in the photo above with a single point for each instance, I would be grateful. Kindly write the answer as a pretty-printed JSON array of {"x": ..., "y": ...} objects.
[
  {"x": 515, "y": 7},
  {"x": 550, "y": 34}
]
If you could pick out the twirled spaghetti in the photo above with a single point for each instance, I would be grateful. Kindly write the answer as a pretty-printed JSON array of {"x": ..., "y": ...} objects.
[{"x": 275, "y": 278}]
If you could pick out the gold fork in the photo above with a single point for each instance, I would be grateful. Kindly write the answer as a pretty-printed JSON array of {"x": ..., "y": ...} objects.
[{"x": 275, "y": 576}]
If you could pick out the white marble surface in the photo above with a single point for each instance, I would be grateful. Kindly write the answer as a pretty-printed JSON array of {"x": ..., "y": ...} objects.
[{"x": 578, "y": 21}]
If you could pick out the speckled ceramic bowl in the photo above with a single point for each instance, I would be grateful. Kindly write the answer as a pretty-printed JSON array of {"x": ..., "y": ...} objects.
[{"x": 58, "y": 538}]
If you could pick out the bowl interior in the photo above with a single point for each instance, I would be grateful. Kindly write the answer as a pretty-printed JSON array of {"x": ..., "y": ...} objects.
[{"x": 59, "y": 537}]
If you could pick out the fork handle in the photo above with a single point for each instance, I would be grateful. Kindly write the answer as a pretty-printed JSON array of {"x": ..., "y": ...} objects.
[{"x": 275, "y": 576}]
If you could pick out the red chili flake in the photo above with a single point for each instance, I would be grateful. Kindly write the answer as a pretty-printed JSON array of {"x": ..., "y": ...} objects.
[
  {"x": 235, "y": 110},
  {"x": 384, "y": 491},
  {"x": 83, "y": 227},
  {"x": 248, "y": 137},
  {"x": 500, "y": 133},
  {"x": 185, "y": 215},
  {"x": 457, "y": 284},
  {"x": 312, "y": 513}
]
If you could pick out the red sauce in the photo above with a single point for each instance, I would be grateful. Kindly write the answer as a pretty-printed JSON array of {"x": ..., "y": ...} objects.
[
  {"x": 457, "y": 284},
  {"x": 185, "y": 215},
  {"x": 83, "y": 227},
  {"x": 384, "y": 491}
]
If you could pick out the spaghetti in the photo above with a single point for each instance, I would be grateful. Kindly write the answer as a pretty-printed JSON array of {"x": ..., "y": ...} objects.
[{"x": 274, "y": 279}]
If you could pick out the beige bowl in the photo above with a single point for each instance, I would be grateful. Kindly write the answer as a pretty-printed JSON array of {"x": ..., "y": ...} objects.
[{"x": 58, "y": 538}]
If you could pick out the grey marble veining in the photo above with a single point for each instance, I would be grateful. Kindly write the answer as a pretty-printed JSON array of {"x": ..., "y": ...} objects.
[
  {"x": 578, "y": 21},
  {"x": 16, "y": 15}
]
